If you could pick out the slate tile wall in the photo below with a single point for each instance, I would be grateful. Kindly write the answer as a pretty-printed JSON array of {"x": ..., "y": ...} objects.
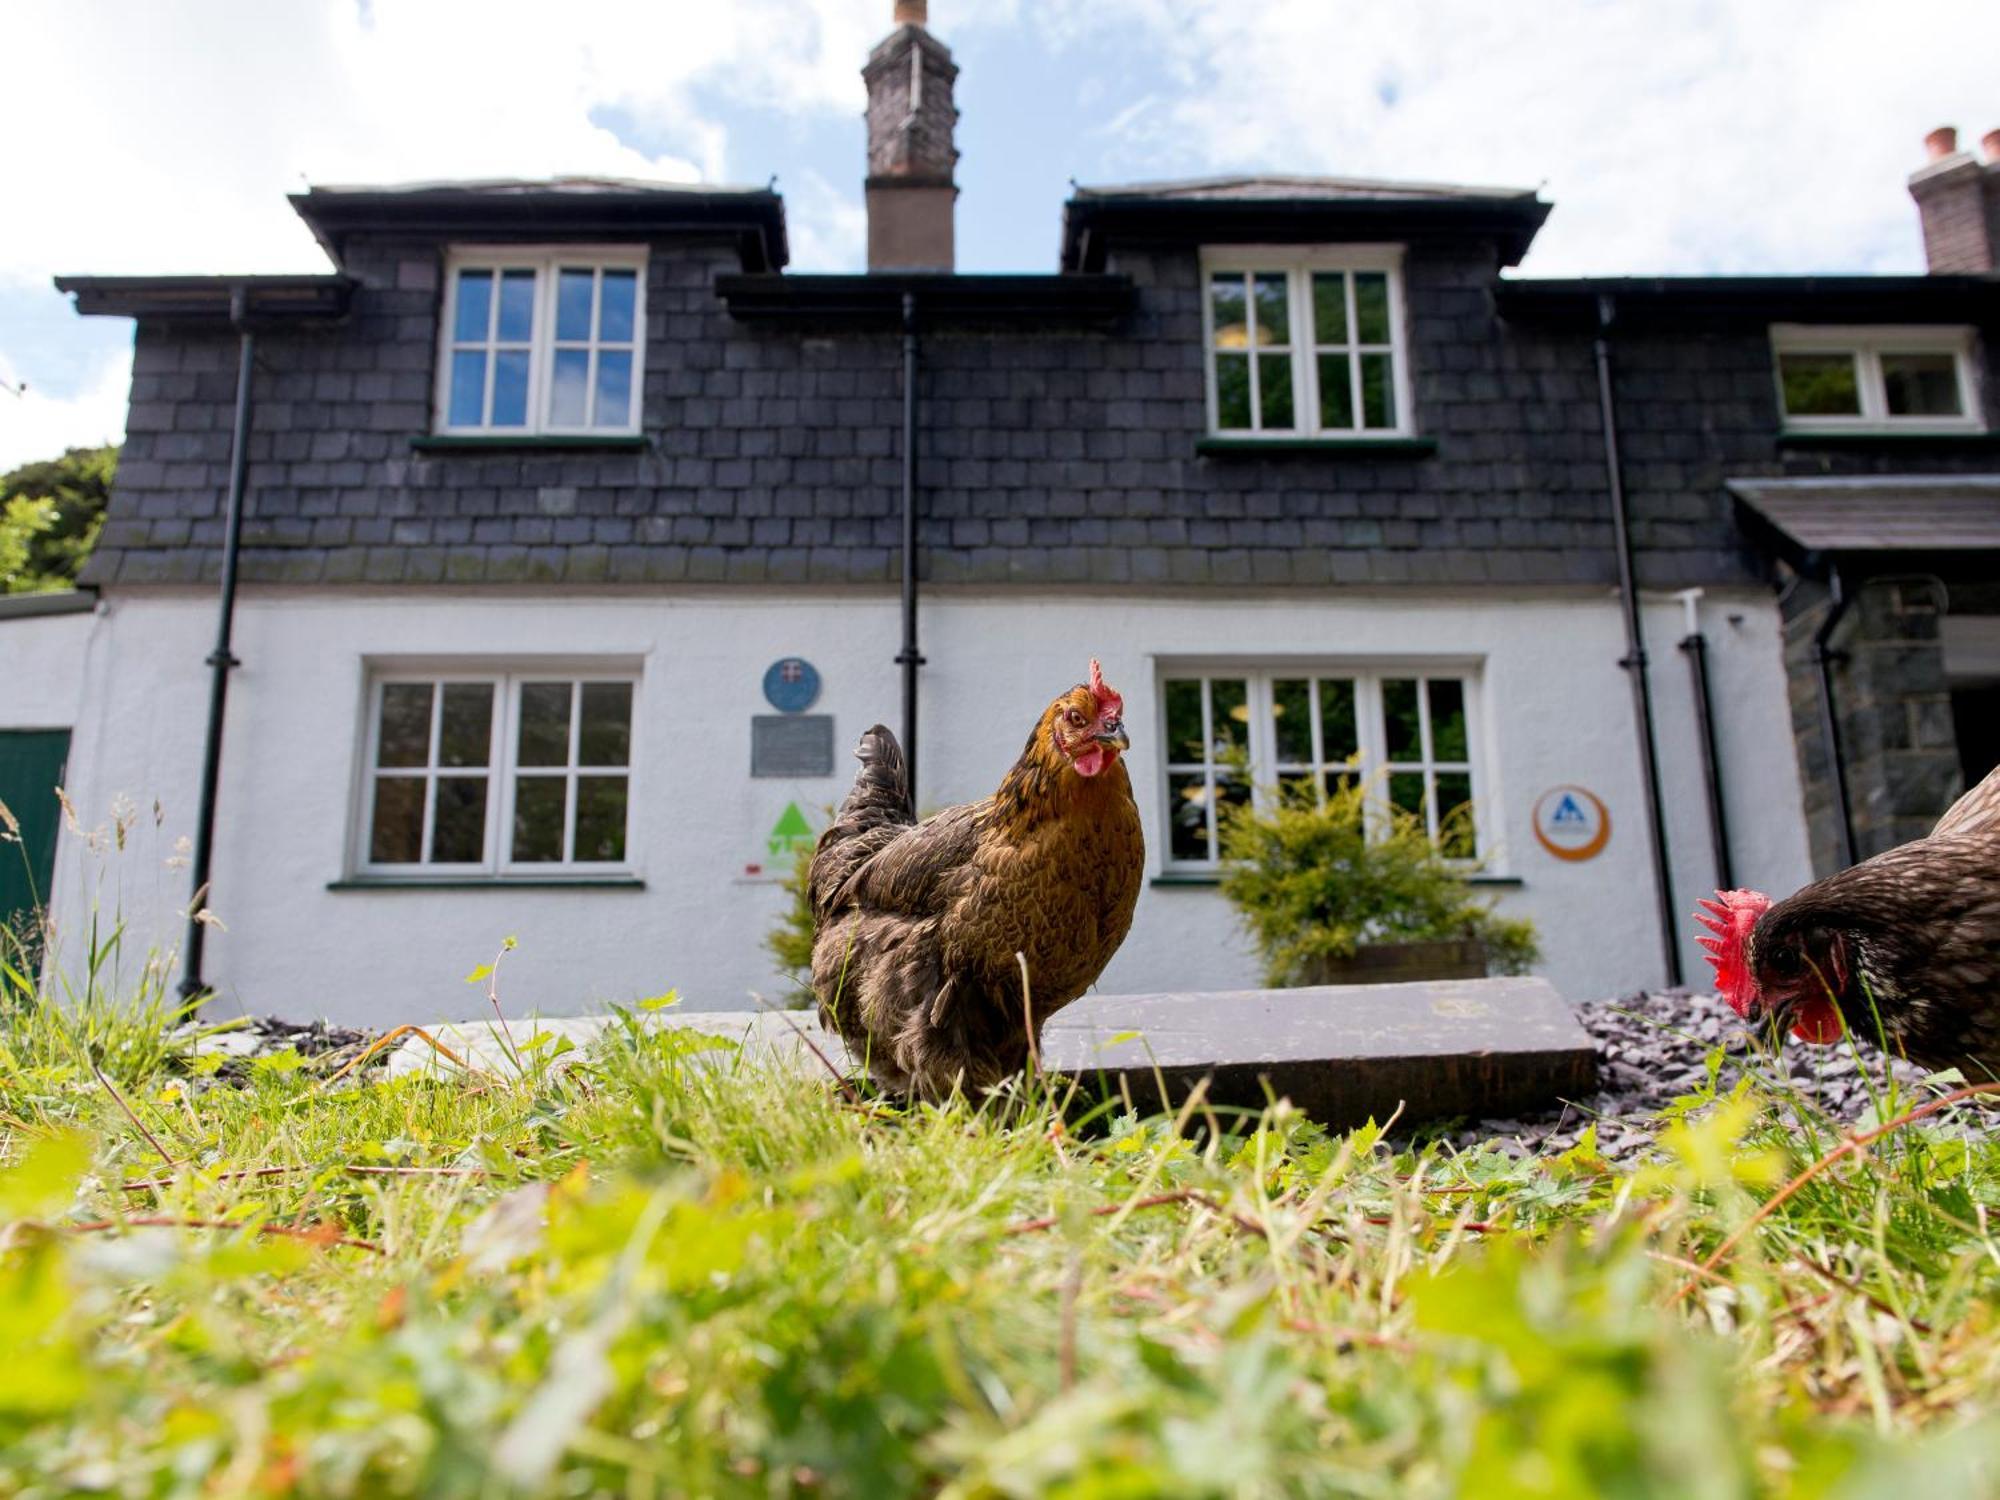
[{"x": 1047, "y": 456}]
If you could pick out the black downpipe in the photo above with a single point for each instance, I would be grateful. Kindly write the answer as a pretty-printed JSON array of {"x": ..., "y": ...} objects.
[
  {"x": 1635, "y": 650},
  {"x": 908, "y": 658},
  {"x": 1695, "y": 644},
  {"x": 1824, "y": 656},
  {"x": 221, "y": 659}
]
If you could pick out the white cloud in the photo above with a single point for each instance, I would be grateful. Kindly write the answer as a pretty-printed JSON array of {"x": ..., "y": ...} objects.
[
  {"x": 36, "y": 425},
  {"x": 1701, "y": 137},
  {"x": 201, "y": 115}
]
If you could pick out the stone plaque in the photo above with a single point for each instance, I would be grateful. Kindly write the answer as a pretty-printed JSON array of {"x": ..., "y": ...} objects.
[{"x": 791, "y": 746}]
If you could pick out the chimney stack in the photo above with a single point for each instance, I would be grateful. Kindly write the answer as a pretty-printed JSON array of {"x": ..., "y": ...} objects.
[
  {"x": 1958, "y": 201},
  {"x": 910, "y": 191}
]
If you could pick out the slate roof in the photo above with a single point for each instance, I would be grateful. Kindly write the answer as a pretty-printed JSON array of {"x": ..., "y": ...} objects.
[
  {"x": 1266, "y": 186},
  {"x": 560, "y": 208},
  {"x": 1902, "y": 514}
]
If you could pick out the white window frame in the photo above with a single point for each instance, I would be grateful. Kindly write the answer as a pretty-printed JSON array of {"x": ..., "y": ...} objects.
[
  {"x": 1368, "y": 676},
  {"x": 1867, "y": 344},
  {"x": 545, "y": 261},
  {"x": 496, "y": 862},
  {"x": 1298, "y": 265}
]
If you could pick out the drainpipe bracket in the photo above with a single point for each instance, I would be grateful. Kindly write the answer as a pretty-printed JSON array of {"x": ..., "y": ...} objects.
[
  {"x": 222, "y": 659},
  {"x": 911, "y": 658}
]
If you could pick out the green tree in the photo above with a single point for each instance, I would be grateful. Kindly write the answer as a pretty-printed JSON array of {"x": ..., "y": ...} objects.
[{"x": 50, "y": 514}]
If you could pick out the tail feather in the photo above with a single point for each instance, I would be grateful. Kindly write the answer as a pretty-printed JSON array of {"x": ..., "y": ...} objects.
[{"x": 881, "y": 793}]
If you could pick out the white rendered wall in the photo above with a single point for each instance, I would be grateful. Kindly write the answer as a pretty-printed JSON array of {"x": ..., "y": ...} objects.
[
  {"x": 42, "y": 665},
  {"x": 1557, "y": 709}
]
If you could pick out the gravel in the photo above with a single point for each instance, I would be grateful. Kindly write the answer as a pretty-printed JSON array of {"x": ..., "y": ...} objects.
[{"x": 1653, "y": 1048}]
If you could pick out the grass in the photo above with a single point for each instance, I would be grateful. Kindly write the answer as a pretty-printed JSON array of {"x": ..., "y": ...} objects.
[{"x": 656, "y": 1269}]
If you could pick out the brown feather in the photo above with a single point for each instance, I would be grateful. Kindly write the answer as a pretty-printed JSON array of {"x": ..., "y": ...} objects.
[{"x": 919, "y": 923}]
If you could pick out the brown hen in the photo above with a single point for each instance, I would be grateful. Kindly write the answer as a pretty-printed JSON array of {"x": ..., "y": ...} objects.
[{"x": 921, "y": 928}]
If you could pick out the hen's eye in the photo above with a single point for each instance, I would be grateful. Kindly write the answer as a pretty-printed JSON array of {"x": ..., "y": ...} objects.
[
  {"x": 1075, "y": 719},
  {"x": 1786, "y": 960}
]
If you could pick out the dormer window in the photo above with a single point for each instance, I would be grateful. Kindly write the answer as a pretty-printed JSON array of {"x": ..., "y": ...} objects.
[
  {"x": 1305, "y": 343},
  {"x": 542, "y": 342},
  {"x": 1875, "y": 379}
]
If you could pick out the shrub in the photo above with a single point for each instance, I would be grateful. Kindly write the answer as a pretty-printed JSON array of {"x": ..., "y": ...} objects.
[
  {"x": 1313, "y": 883},
  {"x": 790, "y": 940}
]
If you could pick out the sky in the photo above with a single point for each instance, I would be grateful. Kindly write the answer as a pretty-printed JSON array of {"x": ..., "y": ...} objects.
[{"x": 1684, "y": 137}]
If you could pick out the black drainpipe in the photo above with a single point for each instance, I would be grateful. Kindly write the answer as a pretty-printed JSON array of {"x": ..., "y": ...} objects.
[
  {"x": 908, "y": 658},
  {"x": 221, "y": 659},
  {"x": 1824, "y": 656},
  {"x": 1635, "y": 650},
  {"x": 1695, "y": 644}
]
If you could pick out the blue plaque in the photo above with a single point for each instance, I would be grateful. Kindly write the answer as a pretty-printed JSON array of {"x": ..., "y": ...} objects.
[{"x": 791, "y": 684}]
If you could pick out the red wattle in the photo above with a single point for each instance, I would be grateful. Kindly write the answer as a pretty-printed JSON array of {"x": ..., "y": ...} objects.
[{"x": 1817, "y": 1021}]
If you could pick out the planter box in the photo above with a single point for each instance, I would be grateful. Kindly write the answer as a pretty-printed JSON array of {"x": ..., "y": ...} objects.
[{"x": 1398, "y": 963}]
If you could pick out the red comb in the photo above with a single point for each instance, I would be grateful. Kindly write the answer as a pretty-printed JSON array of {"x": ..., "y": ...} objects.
[
  {"x": 1108, "y": 699},
  {"x": 1730, "y": 917}
]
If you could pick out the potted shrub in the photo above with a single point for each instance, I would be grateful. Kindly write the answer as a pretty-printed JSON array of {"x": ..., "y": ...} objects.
[{"x": 1329, "y": 899}]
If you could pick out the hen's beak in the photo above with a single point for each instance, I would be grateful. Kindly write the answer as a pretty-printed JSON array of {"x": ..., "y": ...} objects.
[{"x": 1114, "y": 735}]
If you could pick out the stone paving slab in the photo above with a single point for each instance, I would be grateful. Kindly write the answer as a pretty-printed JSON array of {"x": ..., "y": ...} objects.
[{"x": 1344, "y": 1054}]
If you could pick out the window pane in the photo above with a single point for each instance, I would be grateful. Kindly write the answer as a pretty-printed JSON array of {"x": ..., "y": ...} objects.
[
  {"x": 475, "y": 307},
  {"x": 1273, "y": 315},
  {"x": 1448, "y": 742},
  {"x": 510, "y": 388},
  {"x": 467, "y": 407},
  {"x": 1184, "y": 722},
  {"x": 1232, "y": 391},
  {"x": 1187, "y": 792},
  {"x": 600, "y": 818},
  {"x": 465, "y": 731},
  {"x": 1330, "y": 307},
  {"x": 1338, "y": 738},
  {"x": 406, "y": 725},
  {"x": 1819, "y": 385},
  {"x": 572, "y": 377},
  {"x": 605, "y": 736},
  {"x": 1921, "y": 385},
  {"x": 1225, "y": 290},
  {"x": 458, "y": 833},
  {"x": 1229, "y": 714},
  {"x": 618, "y": 301},
  {"x": 614, "y": 389},
  {"x": 1274, "y": 389},
  {"x": 1402, "y": 731},
  {"x": 1378, "y": 392},
  {"x": 517, "y": 307},
  {"x": 1291, "y": 717},
  {"x": 1229, "y": 793},
  {"x": 1406, "y": 791},
  {"x": 1457, "y": 838},
  {"x": 398, "y": 835},
  {"x": 1371, "y": 307},
  {"x": 544, "y": 724},
  {"x": 1336, "y": 393},
  {"x": 573, "y": 291},
  {"x": 538, "y": 818}
]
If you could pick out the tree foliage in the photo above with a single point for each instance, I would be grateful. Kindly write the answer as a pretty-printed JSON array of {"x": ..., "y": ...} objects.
[
  {"x": 50, "y": 514},
  {"x": 1314, "y": 882}
]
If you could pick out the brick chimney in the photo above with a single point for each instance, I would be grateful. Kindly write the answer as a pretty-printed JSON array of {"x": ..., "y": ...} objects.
[
  {"x": 910, "y": 153},
  {"x": 1958, "y": 200}
]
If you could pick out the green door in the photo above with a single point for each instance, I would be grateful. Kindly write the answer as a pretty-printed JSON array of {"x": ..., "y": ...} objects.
[{"x": 31, "y": 768}]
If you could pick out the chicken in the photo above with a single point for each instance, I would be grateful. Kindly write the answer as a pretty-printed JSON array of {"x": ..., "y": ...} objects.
[
  {"x": 1911, "y": 936},
  {"x": 918, "y": 925}
]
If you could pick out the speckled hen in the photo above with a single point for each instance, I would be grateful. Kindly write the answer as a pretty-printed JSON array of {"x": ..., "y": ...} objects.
[
  {"x": 1910, "y": 937},
  {"x": 922, "y": 928}
]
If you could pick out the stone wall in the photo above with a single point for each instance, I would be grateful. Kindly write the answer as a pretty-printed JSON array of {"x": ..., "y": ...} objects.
[{"x": 1894, "y": 711}]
